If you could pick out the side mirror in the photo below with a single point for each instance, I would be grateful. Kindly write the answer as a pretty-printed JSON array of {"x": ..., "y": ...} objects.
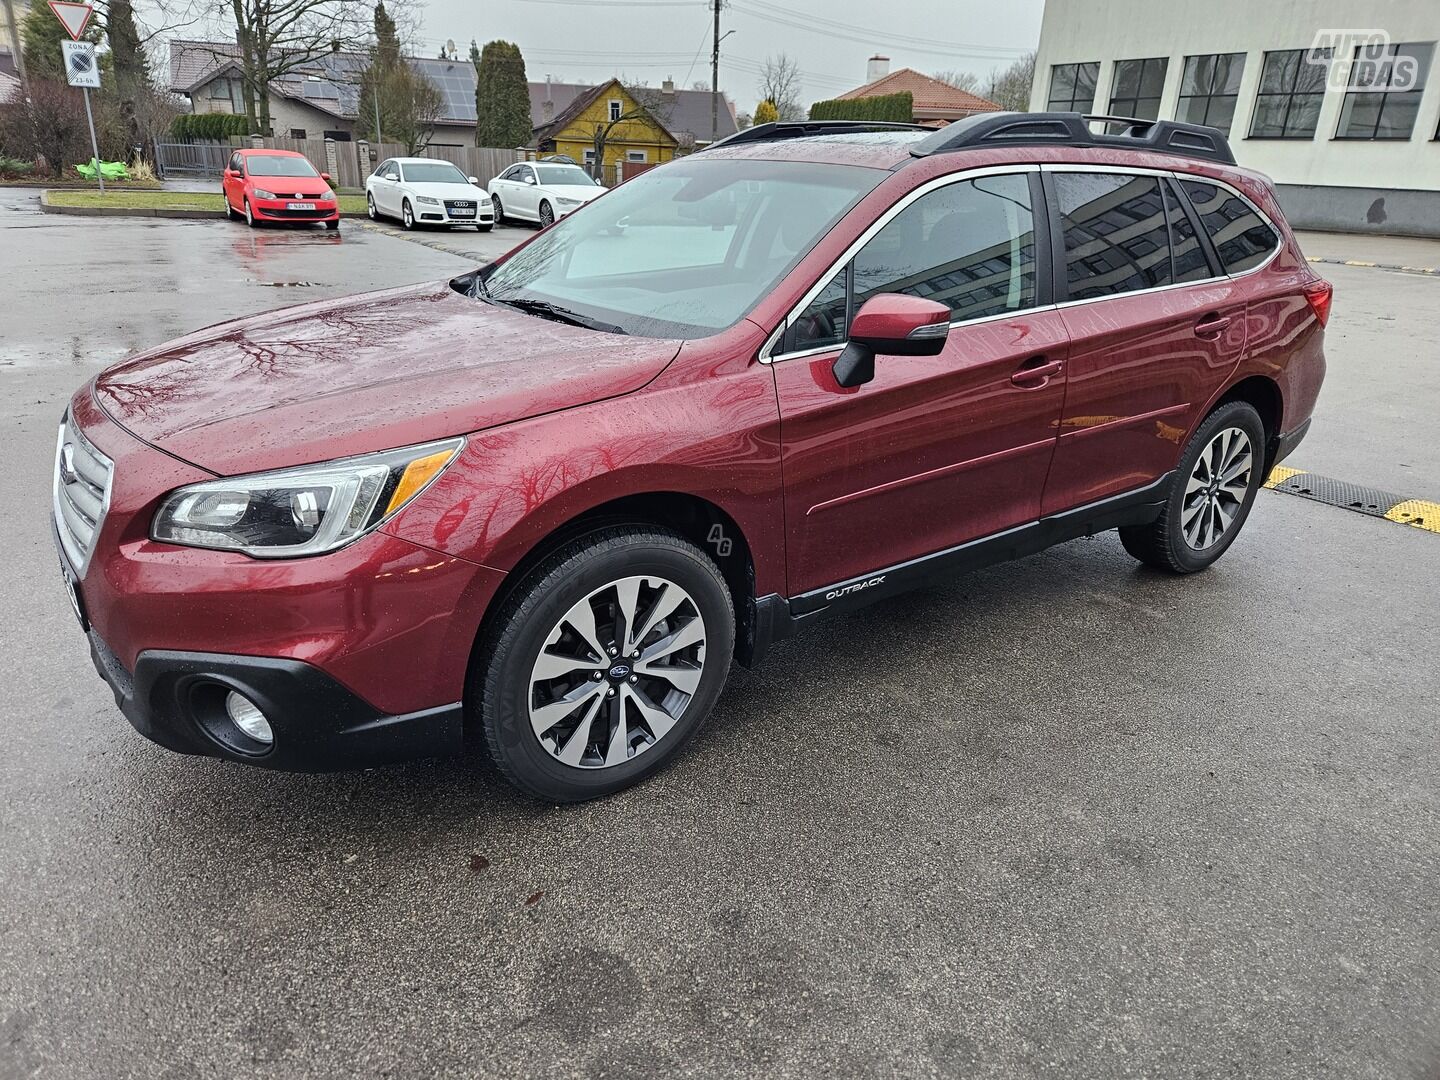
[
  {"x": 894, "y": 325},
  {"x": 325, "y": 176},
  {"x": 530, "y": 180},
  {"x": 474, "y": 180},
  {"x": 232, "y": 174},
  {"x": 393, "y": 176}
]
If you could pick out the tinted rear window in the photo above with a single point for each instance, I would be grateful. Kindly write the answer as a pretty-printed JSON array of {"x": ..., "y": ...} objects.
[
  {"x": 1116, "y": 237},
  {"x": 1241, "y": 238}
]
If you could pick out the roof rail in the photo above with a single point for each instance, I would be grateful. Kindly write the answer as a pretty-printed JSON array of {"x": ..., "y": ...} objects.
[
  {"x": 799, "y": 129},
  {"x": 989, "y": 130}
]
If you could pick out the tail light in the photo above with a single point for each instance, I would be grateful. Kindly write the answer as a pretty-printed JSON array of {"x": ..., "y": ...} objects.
[{"x": 1320, "y": 293}]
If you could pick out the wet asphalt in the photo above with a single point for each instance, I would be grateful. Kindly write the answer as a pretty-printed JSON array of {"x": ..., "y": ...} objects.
[{"x": 1063, "y": 818}]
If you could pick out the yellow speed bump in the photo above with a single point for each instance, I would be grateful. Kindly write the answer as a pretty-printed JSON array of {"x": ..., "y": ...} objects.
[
  {"x": 1280, "y": 474},
  {"x": 1417, "y": 512}
]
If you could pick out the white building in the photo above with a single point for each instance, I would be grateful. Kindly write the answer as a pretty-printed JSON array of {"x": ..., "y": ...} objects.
[{"x": 1350, "y": 143}]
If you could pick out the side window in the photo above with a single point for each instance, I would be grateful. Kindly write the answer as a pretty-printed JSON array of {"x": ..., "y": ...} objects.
[
  {"x": 1116, "y": 239},
  {"x": 969, "y": 245},
  {"x": 526, "y": 174},
  {"x": 1241, "y": 238},
  {"x": 1189, "y": 254}
]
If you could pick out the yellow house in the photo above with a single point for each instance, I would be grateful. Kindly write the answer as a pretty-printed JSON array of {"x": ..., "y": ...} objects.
[{"x": 633, "y": 135}]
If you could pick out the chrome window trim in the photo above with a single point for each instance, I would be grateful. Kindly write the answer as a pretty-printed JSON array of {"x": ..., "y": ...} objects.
[{"x": 767, "y": 355}]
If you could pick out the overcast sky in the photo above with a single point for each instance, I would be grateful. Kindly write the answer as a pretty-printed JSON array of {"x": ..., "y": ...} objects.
[{"x": 651, "y": 40}]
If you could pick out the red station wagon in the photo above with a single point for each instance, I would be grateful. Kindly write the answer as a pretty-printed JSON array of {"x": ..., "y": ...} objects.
[{"x": 540, "y": 508}]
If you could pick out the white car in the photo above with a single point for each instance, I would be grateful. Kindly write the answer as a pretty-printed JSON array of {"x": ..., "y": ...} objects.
[
  {"x": 424, "y": 191},
  {"x": 541, "y": 191}
]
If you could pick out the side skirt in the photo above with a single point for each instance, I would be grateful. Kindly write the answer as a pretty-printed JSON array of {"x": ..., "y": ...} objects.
[{"x": 776, "y": 618}]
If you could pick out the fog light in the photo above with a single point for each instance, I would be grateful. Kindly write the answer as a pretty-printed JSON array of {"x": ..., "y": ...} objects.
[{"x": 246, "y": 716}]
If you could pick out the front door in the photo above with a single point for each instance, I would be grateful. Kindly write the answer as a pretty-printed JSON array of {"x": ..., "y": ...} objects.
[
  {"x": 939, "y": 450},
  {"x": 1154, "y": 329}
]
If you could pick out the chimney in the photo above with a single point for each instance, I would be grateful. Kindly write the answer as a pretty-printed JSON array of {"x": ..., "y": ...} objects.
[
  {"x": 877, "y": 67},
  {"x": 668, "y": 87},
  {"x": 547, "y": 111}
]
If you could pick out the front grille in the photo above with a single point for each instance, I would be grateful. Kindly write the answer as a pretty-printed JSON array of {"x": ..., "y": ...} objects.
[
  {"x": 81, "y": 495},
  {"x": 459, "y": 204}
]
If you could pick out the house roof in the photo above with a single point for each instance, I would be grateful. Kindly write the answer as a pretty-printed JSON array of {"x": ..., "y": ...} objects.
[
  {"x": 582, "y": 101},
  {"x": 931, "y": 95},
  {"x": 331, "y": 83}
]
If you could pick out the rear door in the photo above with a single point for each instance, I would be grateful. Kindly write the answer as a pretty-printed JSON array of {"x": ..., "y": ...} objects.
[
  {"x": 232, "y": 186},
  {"x": 1155, "y": 329},
  {"x": 937, "y": 450}
]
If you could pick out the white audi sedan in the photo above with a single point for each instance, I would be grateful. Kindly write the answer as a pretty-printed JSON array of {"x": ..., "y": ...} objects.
[
  {"x": 424, "y": 191},
  {"x": 541, "y": 191}
]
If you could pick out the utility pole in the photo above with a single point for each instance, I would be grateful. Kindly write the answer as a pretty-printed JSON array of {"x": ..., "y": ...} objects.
[
  {"x": 714, "y": 78},
  {"x": 19, "y": 52}
]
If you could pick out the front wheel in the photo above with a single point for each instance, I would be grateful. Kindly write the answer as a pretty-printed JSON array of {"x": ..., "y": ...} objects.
[
  {"x": 333, "y": 225},
  {"x": 604, "y": 664},
  {"x": 370, "y": 206},
  {"x": 407, "y": 216},
  {"x": 547, "y": 215},
  {"x": 483, "y": 228},
  {"x": 250, "y": 216},
  {"x": 498, "y": 208},
  {"x": 1210, "y": 496}
]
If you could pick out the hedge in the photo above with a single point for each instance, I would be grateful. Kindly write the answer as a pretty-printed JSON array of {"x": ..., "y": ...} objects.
[
  {"x": 217, "y": 126},
  {"x": 896, "y": 108}
]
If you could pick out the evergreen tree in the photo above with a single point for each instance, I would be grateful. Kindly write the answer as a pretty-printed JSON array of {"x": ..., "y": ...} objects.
[
  {"x": 132, "y": 72},
  {"x": 502, "y": 97},
  {"x": 766, "y": 112},
  {"x": 403, "y": 100}
]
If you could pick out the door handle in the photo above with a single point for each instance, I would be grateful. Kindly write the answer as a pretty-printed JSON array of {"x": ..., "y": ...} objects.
[
  {"x": 1036, "y": 373},
  {"x": 1212, "y": 325}
]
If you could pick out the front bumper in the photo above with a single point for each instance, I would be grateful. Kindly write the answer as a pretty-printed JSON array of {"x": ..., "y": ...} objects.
[
  {"x": 443, "y": 215},
  {"x": 176, "y": 699},
  {"x": 276, "y": 210}
]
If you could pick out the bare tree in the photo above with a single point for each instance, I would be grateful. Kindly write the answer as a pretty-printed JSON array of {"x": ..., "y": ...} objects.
[
  {"x": 1010, "y": 88},
  {"x": 780, "y": 83},
  {"x": 961, "y": 80}
]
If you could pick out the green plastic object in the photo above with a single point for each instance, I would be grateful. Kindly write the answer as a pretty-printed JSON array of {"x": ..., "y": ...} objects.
[{"x": 110, "y": 170}]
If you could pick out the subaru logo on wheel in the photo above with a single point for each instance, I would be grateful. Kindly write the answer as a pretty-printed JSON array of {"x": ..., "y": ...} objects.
[{"x": 620, "y": 671}]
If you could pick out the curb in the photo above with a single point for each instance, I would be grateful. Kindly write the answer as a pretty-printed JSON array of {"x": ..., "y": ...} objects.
[
  {"x": 1434, "y": 271},
  {"x": 148, "y": 212}
]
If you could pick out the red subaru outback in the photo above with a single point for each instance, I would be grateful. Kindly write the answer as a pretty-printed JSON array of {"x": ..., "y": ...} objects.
[{"x": 542, "y": 507}]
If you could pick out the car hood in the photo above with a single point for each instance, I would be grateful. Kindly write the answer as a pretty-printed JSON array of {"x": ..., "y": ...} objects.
[
  {"x": 584, "y": 192},
  {"x": 448, "y": 191},
  {"x": 307, "y": 187},
  {"x": 365, "y": 373}
]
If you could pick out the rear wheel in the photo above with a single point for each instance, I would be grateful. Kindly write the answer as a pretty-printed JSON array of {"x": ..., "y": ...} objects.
[
  {"x": 230, "y": 214},
  {"x": 1210, "y": 496},
  {"x": 604, "y": 664}
]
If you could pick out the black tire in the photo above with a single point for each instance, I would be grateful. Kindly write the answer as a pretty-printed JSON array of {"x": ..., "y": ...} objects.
[
  {"x": 498, "y": 696},
  {"x": 332, "y": 225},
  {"x": 1163, "y": 544},
  {"x": 547, "y": 215},
  {"x": 499, "y": 209},
  {"x": 250, "y": 218},
  {"x": 407, "y": 215},
  {"x": 483, "y": 228},
  {"x": 370, "y": 207},
  {"x": 230, "y": 214}
]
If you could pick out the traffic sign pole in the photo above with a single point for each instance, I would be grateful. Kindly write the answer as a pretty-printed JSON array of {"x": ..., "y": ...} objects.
[{"x": 94, "y": 145}]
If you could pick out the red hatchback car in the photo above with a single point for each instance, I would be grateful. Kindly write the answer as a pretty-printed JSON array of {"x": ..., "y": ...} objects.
[
  {"x": 540, "y": 508},
  {"x": 278, "y": 186}
]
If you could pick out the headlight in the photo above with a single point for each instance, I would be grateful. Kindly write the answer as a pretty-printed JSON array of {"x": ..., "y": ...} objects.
[
  {"x": 261, "y": 193},
  {"x": 328, "y": 195},
  {"x": 427, "y": 200},
  {"x": 567, "y": 202},
  {"x": 303, "y": 511}
]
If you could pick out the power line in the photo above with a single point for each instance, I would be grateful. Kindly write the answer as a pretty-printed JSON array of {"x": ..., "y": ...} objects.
[{"x": 846, "y": 32}]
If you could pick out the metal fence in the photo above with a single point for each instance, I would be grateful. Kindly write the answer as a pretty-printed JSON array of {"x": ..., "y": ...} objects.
[{"x": 191, "y": 158}]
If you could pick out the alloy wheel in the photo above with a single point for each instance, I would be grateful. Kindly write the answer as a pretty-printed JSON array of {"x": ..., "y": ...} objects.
[
  {"x": 370, "y": 206},
  {"x": 617, "y": 672},
  {"x": 547, "y": 216},
  {"x": 407, "y": 216},
  {"x": 499, "y": 210},
  {"x": 1216, "y": 489}
]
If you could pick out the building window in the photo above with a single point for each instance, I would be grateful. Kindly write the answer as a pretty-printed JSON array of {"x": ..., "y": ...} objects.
[
  {"x": 1137, "y": 86},
  {"x": 1383, "y": 97},
  {"x": 636, "y": 156},
  {"x": 1209, "y": 88},
  {"x": 338, "y": 136},
  {"x": 1072, "y": 87},
  {"x": 1292, "y": 88},
  {"x": 297, "y": 133},
  {"x": 220, "y": 90},
  {"x": 616, "y": 108}
]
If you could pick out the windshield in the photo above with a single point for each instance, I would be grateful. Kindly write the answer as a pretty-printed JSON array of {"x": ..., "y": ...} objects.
[
  {"x": 434, "y": 172},
  {"x": 564, "y": 174},
  {"x": 684, "y": 250},
  {"x": 276, "y": 165}
]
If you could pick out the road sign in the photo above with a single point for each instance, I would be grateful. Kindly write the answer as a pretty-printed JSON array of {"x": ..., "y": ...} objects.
[
  {"x": 81, "y": 67},
  {"x": 72, "y": 16}
]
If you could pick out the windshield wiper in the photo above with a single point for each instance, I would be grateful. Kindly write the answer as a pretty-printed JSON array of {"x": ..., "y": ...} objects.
[{"x": 547, "y": 310}]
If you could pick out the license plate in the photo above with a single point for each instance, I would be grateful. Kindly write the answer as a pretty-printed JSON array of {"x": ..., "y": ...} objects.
[
  {"x": 300, "y": 206},
  {"x": 72, "y": 592},
  {"x": 462, "y": 213}
]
